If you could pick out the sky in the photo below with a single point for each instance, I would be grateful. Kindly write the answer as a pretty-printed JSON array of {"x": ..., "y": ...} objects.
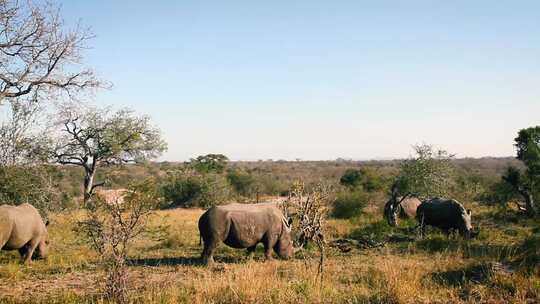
[{"x": 319, "y": 80}]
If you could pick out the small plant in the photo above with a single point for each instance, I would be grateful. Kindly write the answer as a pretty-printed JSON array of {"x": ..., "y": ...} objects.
[
  {"x": 112, "y": 227},
  {"x": 310, "y": 209}
]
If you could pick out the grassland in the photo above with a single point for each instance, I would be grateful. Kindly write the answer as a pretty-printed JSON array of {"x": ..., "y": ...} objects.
[{"x": 436, "y": 269}]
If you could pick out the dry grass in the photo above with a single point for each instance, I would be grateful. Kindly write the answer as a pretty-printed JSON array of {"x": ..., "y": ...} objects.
[{"x": 407, "y": 270}]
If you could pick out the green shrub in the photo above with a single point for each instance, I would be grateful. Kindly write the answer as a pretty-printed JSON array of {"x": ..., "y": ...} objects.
[
  {"x": 349, "y": 204},
  {"x": 351, "y": 178},
  {"x": 364, "y": 178},
  {"x": 36, "y": 185},
  {"x": 242, "y": 182},
  {"x": 183, "y": 189}
]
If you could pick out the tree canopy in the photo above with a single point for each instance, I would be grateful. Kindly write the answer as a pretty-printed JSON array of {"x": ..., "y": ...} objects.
[
  {"x": 526, "y": 182},
  {"x": 39, "y": 58},
  {"x": 90, "y": 136},
  {"x": 428, "y": 174},
  {"x": 209, "y": 163}
]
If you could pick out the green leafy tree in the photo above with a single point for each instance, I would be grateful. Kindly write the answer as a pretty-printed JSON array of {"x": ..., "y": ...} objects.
[
  {"x": 430, "y": 173},
  {"x": 91, "y": 137},
  {"x": 209, "y": 163},
  {"x": 526, "y": 182}
]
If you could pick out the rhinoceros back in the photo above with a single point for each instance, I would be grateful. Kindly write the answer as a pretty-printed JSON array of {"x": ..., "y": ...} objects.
[
  {"x": 19, "y": 225},
  {"x": 240, "y": 225},
  {"x": 442, "y": 213},
  {"x": 6, "y": 226}
]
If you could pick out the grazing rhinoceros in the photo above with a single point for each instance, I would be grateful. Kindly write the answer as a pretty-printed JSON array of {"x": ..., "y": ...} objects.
[
  {"x": 244, "y": 226},
  {"x": 404, "y": 208},
  {"x": 22, "y": 229},
  {"x": 446, "y": 214}
]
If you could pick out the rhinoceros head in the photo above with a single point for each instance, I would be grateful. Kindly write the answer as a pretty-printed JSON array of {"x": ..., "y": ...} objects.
[
  {"x": 284, "y": 247},
  {"x": 43, "y": 246},
  {"x": 390, "y": 213},
  {"x": 466, "y": 228}
]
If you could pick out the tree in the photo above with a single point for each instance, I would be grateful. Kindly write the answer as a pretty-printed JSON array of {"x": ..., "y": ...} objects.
[
  {"x": 17, "y": 139},
  {"x": 39, "y": 59},
  {"x": 91, "y": 137},
  {"x": 23, "y": 176},
  {"x": 429, "y": 174},
  {"x": 526, "y": 183},
  {"x": 209, "y": 163}
]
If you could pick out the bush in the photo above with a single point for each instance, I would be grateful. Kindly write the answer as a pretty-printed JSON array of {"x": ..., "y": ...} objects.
[
  {"x": 349, "y": 204},
  {"x": 351, "y": 178},
  {"x": 498, "y": 193},
  {"x": 36, "y": 185},
  {"x": 242, "y": 182},
  {"x": 187, "y": 189},
  {"x": 364, "y": 178}
]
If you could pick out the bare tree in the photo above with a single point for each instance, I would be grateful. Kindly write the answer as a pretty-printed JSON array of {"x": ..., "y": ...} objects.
[
  {"x": 91, "y": 137},
  {"x": 17, "y": 138},
  {"x": 310, "y": 209},
  {"x": 38, "y": 57}
]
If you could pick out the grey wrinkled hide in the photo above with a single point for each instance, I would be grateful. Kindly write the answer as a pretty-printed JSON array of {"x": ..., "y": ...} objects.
[
  {"x": 244, "y": 226},
  {"x": 446, "y": 214},
  {"x": 406, "y": 209},
  {"x": 22, "y": 229}
]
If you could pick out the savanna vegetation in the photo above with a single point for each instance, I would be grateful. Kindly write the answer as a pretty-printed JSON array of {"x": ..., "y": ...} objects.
[{"x": 145, "y": 247}]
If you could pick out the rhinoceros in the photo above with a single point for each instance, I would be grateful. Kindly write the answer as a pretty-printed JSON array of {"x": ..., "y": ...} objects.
[
  {"x": 446, "y": 214},
  {"x": 404, "y": 208},
  {"x": 244, "y": 226},
  {"x": 22, "y": 229}
]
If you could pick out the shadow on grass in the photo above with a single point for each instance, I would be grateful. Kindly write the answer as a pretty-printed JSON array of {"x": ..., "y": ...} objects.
[
  {"x": 477, "y": 273},
  {"x": 185, "y": 261},
  {"x": 381, "y": 232},
  {"x": 469, "y": 249}
]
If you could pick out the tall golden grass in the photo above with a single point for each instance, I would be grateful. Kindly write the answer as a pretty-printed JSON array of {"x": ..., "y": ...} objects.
[{"x": 433, "y": 270}]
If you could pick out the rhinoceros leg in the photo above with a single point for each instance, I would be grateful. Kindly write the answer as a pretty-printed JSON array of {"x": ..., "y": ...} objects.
[
  {"x": 31, "y": 246},
  {"x": 268, "y": 242},
  {"x": 208, "y": 252},
  {"x": 23, "y": 250}
]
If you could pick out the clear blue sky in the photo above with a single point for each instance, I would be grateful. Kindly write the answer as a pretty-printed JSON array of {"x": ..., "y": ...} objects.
[{"x": 321, "y": 79}]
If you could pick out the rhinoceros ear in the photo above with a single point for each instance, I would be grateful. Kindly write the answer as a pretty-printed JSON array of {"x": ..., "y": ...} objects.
[{"x": 469, "y": 212}]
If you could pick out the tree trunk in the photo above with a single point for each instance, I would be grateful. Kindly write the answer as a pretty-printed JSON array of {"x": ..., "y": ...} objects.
[
  {"x": 529, "y": 204},
  {"x": 88, "y": 185}
]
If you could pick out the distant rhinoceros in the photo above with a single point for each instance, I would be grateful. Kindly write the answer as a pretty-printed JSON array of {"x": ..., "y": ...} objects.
[
  {"x": 22, "y": 229},
  {"x": 446, "y": 214},
  {"x": 405, "y": 208},
  {"x": 244, "y": 226}
]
